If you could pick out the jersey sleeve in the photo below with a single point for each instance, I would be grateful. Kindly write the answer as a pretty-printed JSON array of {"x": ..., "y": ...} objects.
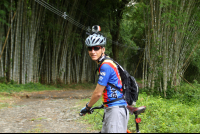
[{"x": 105, "y": 71}]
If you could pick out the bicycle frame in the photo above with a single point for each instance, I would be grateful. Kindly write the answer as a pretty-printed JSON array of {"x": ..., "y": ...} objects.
[{"x": 133, "y": 110}]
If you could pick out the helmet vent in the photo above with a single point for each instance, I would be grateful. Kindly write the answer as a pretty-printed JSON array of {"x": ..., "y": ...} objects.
[
  {"x": 93, "y": 41},
  {"x": 97, "y": 41}
]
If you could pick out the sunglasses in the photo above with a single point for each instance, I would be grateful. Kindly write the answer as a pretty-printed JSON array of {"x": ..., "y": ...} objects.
[{"x": 95, "y": 48}]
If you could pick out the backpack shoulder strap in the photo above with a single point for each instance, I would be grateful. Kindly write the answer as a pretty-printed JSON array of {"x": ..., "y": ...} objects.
[
  {"x": 114, "y": 62},
  {"x": 114, "y": 87},
  {"x": 117, "y": 65},
  {"x": 99, "y": 66},
  {"x": 111, "y": 85}
]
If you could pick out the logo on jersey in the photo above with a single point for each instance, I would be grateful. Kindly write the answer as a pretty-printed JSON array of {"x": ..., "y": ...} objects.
[
  {"x": 103, "y": 73},
  {"x": 100, "y": 78},
  {"x": 114, "y": 94}
]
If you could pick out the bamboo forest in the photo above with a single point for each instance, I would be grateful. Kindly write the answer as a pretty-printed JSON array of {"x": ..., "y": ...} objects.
[
  {"x": 156, "y": 41},
  {"x": 49, "y": 79}
]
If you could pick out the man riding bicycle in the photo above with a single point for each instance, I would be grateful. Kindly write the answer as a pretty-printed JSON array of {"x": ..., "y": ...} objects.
[{"x": 116, "y": 115}]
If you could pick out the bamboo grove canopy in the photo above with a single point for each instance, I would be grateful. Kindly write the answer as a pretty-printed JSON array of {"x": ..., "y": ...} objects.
[{"x": 43, "y": 40}]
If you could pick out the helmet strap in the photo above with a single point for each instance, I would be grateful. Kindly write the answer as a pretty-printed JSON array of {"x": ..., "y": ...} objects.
[{"x": 100, "y": 58}]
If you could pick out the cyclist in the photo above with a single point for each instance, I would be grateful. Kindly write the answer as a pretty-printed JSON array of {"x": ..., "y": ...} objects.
[{"x": 116, "y": 115}]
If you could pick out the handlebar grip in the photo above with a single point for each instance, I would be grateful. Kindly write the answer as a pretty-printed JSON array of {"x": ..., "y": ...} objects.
[
  {"x": 90, "y": 112},
  {"x": 81, "y": 114}
]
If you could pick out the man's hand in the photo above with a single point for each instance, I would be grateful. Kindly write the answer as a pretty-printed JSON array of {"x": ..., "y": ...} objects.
[
  {"x": 85, "y": 110},
  {"x": 95, "y": 97}
]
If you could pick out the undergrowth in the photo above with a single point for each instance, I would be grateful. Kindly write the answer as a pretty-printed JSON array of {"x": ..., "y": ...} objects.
[
  {"x": 178, "y": 113},
  {"x": 161, "y": 116},
  {"x": 185, "y": 93},
  {"x": 34, "y": 87}
]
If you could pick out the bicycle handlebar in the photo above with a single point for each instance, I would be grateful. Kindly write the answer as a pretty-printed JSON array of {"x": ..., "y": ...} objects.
[
  {"x": 132, "y": 110},
  {"x": 98, "y": 107},
  {"x": 92, "y": 110}
]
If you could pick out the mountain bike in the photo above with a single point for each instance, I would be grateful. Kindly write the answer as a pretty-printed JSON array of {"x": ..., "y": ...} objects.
[{"x": 133, "y": 110}]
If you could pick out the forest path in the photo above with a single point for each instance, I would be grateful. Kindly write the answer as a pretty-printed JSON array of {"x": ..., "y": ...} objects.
[{"x": 46, "y": 111}]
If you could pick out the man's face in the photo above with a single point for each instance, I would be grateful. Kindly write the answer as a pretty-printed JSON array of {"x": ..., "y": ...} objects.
[{"x": 95, "y": 52}]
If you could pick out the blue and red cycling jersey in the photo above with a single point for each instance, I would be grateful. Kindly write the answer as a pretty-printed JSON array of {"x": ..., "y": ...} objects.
[{"x": 108, "y": 73}]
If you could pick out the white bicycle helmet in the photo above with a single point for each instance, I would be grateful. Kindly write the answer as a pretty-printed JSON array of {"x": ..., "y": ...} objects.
[{"x": 95, "y": 39}]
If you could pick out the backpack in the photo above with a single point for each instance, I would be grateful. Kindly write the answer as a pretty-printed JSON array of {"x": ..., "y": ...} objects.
[{"x": 129, "y": 85}]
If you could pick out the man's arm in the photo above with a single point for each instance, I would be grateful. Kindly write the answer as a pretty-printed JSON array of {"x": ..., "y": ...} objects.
[{"x": 96, "y": 95}]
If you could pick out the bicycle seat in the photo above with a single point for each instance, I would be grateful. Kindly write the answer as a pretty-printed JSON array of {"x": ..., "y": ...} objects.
[{"x": 136, "y": 110}]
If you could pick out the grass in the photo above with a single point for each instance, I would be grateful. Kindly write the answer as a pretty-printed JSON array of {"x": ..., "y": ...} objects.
[
  {"x": 161, "y": 116},
  {"x": 30, "y": 87},
  {"x": 39, "y": 129},
  {"x": 4, "y": 97},
  {"x": 2, "y": 105},
  {"x": 38, "y": 119},
  {"x": 34, "y": 87},
  {"x": 3, "y": 102},
  {"x": 7, "y": 90}
]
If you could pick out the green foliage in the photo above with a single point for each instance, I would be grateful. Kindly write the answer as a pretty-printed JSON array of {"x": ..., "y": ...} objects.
[
  {"x": 39, "y": 129},
  {"x": 165, "y": 3},
  {"x": 3, "y": 12},
  {"x": 30, "y": 87},
  {"x": 2, "y": 80},
  {"x": 132, "y": 35},
  {"x": 187, "y": 94},
  {"x": 168, "y": 116},
  {"x": 2, "y": 99},
  {"x": 77, "y": 42},
  {"x": 175, "y": 18},
  {"x": 161, "y": 116},
  {"x": 2, "y": 105},
  {"x": 5, "y": 8},
  {"x": 193, "y": 71},
  {"x": 13, "y": 82},
  {"x": 13, "y": 87},
  {"x": 182, "y": 21}
]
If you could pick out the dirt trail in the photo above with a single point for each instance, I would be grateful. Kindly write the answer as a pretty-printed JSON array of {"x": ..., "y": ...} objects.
[{"x": 47, "y": 111}]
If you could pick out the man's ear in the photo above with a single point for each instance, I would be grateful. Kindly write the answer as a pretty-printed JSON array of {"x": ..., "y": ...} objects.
[{"x": 103, "y": 49}]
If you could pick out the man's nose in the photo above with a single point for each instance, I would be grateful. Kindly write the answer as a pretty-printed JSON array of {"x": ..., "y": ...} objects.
[{"x": 93, "y": 51}]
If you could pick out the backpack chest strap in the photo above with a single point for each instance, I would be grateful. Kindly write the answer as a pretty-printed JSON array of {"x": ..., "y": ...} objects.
[
  {"x": 113, "y": 100},
  {"x": 111, "y": 85}
]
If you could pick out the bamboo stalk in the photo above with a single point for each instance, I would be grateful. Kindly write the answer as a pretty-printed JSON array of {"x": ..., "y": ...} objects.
[
  {"x": 7, "y": 36},
  {"x": 187, "y": 81},
  {"x": 139, "y": 62},
  {"x": 190, "y": 54}
]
